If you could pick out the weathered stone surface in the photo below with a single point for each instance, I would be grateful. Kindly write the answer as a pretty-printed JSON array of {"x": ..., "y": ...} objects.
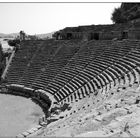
[
  {"x": 30, "y": 131},
  {"x": 34, "y": 129},
  {"x": 117, "y": 116},
  {"x": 25, "y": 133},
  {"x": 38, "y": 126},
  {"x": 92, "y": 134},
  {"x": 135, "y": 131},
  {"x": 20, "y": 136}
]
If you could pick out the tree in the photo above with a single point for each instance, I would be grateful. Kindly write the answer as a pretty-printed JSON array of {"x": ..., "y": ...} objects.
[
  {"x": 117, "y": 16},
  {"x": 126, "y": 12}
]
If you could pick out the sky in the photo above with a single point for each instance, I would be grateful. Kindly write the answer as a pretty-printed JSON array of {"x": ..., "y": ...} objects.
[{"x": 38, "y": 18}]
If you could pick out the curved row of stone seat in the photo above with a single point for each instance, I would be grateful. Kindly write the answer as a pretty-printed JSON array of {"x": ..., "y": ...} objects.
[
  {"x": 96, "y": 61},
  {"x": 40, "y": 60},
  {"x": 95, "y": 65},
  {"x": 37, "y": 60},
  {"x": 131, "y": 72},
  {"x": 81, "y": 92},
  {"x": 29, "y": 51},
  {"x": 90, "y": 109},
  {"x": 21, "y": 60},
  {"x": 77, "y": 64},
  {"x": 117, "y": 70},
  {"x": 96, "y": 84},
  {"x": 66, "y": 75},
  {"x": 60, "y": 59}
]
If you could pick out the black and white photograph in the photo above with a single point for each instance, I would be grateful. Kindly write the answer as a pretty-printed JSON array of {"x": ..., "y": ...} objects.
[{"x": 69, "y": 69}]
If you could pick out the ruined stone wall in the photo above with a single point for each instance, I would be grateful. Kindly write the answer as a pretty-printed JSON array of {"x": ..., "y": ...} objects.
[
  {"x": 130, "y": 30},
  {"x": 111, "y": 35},
  {"x": 134, "y": 34},
  {"x": 116, "y": 34},
  {"x": 106, "y": 36},
  {"x": 68, "y": 35}
]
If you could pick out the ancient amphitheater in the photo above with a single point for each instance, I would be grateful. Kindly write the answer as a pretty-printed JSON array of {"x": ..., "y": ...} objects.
[{"x": 86, "y": 79}]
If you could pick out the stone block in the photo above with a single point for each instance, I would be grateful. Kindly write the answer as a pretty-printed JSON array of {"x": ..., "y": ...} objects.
[
  {"x": 135, "y": 131},
  {"x": 34, "y": 129},
  {"x": 30, "y": 131},
  {"x": 25, "y": 133},
  {"x": 38, "y": 126},
  {"x": 20, "y": 136}
]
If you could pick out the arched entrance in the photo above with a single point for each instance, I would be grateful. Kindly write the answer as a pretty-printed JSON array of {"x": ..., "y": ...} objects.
[
  {"x": 124, "y": 35},
  {"x": 69, "y": 35},
  {"x": 96, "y": 36}
]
